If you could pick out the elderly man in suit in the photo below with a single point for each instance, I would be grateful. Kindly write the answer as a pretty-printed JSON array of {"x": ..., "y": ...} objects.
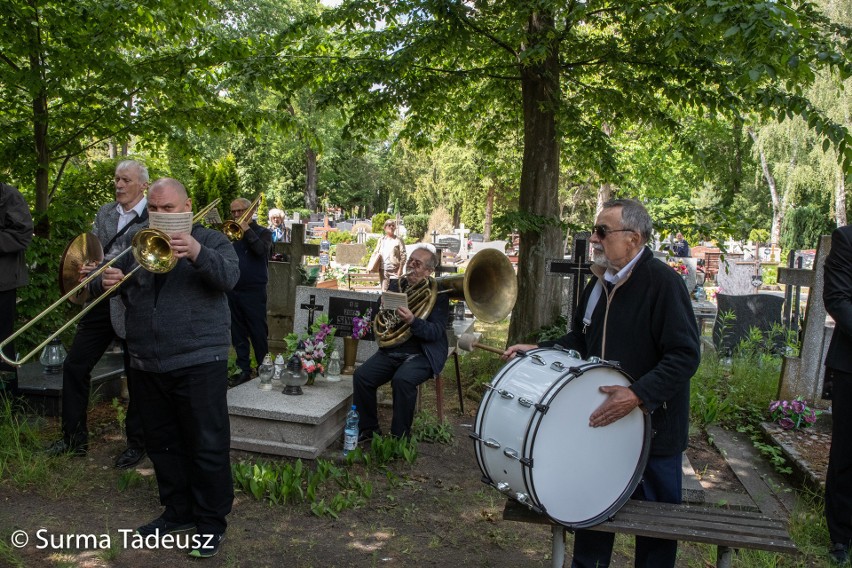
[
  {"x": 837, "y": 296},
  {"x": 115, "y": 225}
]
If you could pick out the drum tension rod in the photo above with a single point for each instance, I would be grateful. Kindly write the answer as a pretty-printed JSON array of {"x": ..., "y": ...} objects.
[{"x": 576, "y": 371}]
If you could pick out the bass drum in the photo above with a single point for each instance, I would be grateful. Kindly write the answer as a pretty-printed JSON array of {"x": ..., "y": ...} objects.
[{"x": 533, "y": 441}]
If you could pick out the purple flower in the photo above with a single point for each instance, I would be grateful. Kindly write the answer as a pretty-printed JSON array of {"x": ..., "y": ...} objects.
[
  {"x": 810, "y": 418},
  {"x": 797, "y": 406},
  {"x": 786, "y": 423},
  {"x": 774, "y": 406}
]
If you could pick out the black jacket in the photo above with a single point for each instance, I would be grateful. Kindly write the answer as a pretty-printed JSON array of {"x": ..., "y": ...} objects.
[
  {"x": 16, "y": 232},
  {"x": 430, "y": 333},
  {"x": 646, "y": 324},
  {"x": 837, "y": 296}
]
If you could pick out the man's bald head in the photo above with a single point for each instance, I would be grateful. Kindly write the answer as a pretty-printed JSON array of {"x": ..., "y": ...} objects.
[{"x": 168, "y": 195}]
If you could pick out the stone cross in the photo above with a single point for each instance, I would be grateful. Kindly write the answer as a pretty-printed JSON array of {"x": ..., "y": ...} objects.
[
  {"x": 802, "y": 375},
  {"x": 284, "y": 277},
  {"x": 434, "y": 237},
  {"x": 461, "y": 232},
  {"x": 322, "y": 232}
]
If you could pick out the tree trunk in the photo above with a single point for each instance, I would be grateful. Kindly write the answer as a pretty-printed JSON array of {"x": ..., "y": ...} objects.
[
  {"x": 311, "y": 179},
  {"x": 604, "y": 195},
  {"x": 42, "y": 173},
  {"x": 538, "y": 294},
  {"x": 775, "y": 233},
  {"x": 489, "y": 213}
]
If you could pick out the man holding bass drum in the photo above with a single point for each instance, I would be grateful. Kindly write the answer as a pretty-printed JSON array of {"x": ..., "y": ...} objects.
[{"x": 637, "y": 313}]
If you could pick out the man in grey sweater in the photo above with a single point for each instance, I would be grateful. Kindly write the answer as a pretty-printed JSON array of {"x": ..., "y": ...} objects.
[{"x": 178, "y": 336}]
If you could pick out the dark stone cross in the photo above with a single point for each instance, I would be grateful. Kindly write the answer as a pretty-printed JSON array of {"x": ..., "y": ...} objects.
[
  {"x": 434, "y": 237},
  {"x": 312, "y": 307},
  {"x": 579, "y": 269},
  {"x": 284, "y": 277}
]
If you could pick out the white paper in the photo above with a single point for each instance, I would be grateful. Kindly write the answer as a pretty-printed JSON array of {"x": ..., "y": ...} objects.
[
  {"x": 394, "y": 300},
  {"x": 171, "y": 223}
]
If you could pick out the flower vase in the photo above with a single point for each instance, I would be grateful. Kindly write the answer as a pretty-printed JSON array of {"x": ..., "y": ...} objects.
[
  {"x": 350, "y": 355},
  {"x": 312, "y": 376}
]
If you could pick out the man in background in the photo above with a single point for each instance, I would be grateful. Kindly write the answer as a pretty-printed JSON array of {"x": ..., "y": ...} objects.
[
  {"x": 16, "y": 233},
  {"x": 248, "y": 298},
  {"x": 115, "y": 224}
]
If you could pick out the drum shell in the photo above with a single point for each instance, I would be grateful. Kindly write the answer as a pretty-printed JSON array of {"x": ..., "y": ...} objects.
[{"x": 575, "y": 474}]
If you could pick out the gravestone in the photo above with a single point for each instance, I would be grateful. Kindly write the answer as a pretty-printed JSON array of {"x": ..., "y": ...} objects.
[
  {"x": 352, "y": 254},
  {"x": 803, "y": 375},
  {"x": 751, "y": 310},
  {"x": 461, "y": 235},
  {"x": 345, "y": 226},
  {"x": 738, "y": 277},
  {"x": 284, "y": 277},
  {"x": 269, "y": 422},
  {"x": 321, "y": 298},
  {"x": 451, "y": 244},
  {"x": 496, "y": 245}
]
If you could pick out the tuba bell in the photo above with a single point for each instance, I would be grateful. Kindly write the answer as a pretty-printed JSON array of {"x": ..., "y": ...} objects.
[{"x": 489, "y": 286}]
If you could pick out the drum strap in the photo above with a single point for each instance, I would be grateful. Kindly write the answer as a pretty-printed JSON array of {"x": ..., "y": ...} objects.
[{"x": 594, "y": 298}]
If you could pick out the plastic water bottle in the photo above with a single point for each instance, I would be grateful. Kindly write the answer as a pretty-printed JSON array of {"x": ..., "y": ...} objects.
[{"x": 350, "y": 431}]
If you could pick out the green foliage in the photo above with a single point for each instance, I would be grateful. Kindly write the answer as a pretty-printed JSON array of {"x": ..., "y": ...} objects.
[
  {"x": 385, "y": 449},
  {"x": 337, "y": 237},
  {"x": 769, "y": 273},
  {"x": 120, "y": 412},
  {"x": 554, "y": 331},
  {"x": 427, "y": 429},
  {"x": 378, "y": 222},
  {"x": 416, "y": 226},
  {"x": 803, "y": 226},
  {"x": 758, "y": 236}
]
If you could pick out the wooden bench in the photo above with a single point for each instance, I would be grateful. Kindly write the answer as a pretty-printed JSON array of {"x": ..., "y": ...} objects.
[
  {"x": 363, "y": 281},
  {"x": 728, "y": 529}
]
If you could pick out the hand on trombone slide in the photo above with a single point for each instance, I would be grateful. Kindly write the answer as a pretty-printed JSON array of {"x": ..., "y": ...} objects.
[{"x": 111, "y": 277}]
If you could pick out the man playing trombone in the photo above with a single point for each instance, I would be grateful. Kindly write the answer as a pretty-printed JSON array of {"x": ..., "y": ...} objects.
[
  {"x": 248, "y": 298},
  {"x": 178, "y": 337},
  {"x": 115, "y": 224}
]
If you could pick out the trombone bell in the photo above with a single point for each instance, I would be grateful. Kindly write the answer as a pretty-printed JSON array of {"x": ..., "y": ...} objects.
[
  {"x": 233, "y": 228},
  {"x": 152, "y": 250}
]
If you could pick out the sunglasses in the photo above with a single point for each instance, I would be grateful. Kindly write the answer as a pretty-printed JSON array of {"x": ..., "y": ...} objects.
[{"x": 602, "y": 231}]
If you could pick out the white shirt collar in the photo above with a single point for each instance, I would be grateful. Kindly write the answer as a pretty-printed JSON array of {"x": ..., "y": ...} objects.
[
  {"x": 124, "y": 217},
  {"x": 615, "y": 277}
]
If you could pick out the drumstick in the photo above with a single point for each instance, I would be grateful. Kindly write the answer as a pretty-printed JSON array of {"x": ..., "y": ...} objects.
[{"x": 467, "y": 341}]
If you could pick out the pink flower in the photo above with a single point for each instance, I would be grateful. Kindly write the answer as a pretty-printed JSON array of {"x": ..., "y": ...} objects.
[{"x": 786, "y": 423}]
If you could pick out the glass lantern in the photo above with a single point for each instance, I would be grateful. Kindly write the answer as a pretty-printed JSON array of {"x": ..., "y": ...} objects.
[
  {"x": 265, "y": 371},
  {"x": 294, "y": 376},
  {"x": 333, "y": 374},
  {"x": 53, "y": 356},
  {"x": 280, "y": 369}
]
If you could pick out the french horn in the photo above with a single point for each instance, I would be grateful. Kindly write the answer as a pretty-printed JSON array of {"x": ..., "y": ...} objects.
[{"x": 489, "y": 286}]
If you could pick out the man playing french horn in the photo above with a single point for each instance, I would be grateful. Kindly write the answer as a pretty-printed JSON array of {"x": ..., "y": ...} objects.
[{"x": 419, "y": 356}]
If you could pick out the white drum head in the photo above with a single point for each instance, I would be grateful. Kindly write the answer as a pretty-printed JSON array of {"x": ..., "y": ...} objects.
[{"x": 580, "y": 474}]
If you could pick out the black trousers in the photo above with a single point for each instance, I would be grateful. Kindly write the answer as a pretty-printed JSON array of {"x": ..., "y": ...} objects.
[
  {"x": 838, "y": 479},
  {"x": 662, "y": 481},
  {"x": 188, "y": 438},
  {"x": 405, "y": 371},
  {"x": 9, "y": 376},
  {"x": 248, "y": 324},
  {"x": 94, "y": 335}
]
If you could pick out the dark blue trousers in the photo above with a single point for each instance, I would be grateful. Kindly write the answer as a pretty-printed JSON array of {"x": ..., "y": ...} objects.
[
  {"x": 188, "y": 438},
  {"x": 405, "y": 371},
  {"x": 248, "y": 324},
  {"x": 661, "y": 481},
  {"x": 94, "y": 335}
]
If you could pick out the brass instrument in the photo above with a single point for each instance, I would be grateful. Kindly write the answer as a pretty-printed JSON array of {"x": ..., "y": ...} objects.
[
  {"x": 151, "y": 244},
  {"x": 233, "y": 228},
  {"x": 489, "y": 286}
]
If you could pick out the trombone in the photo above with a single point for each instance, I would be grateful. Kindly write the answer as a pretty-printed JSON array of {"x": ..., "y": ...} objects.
[
  {"x": 233, "y": 228},
  {"x": 154, "y": 254}
]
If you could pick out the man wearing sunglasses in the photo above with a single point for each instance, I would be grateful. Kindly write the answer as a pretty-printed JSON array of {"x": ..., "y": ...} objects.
[{"x": 638, "y": 313}]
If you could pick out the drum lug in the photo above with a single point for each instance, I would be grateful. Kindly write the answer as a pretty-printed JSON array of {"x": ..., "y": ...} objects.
[
  {"x": 527, "y": 462},
  {"x": 492, "y": 443},
  {"x": 557, "y": 366},
  {"x": 525, "y": 402},
  {"x": 505, "y": 394},
  {"x": 503, "y": 487},
  {"x": 511, "y": 454},
  {"x": 537, "y": 359}
]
